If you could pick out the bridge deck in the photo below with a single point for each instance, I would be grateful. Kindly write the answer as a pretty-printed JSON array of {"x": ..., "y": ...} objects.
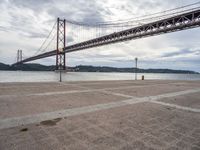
[
  {"x": 172, "y": 24},
  {"x": 118, "y": 115}
]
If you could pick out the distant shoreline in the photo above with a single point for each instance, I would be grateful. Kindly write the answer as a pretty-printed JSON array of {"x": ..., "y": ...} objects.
[
  {"x": 84, "y": 68},
  {"x": 92, "y": 72}
]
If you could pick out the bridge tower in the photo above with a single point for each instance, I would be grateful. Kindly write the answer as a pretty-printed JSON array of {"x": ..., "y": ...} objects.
[
  {"x": 60, "y": 54},
  {"x": 19, "y": 56}
]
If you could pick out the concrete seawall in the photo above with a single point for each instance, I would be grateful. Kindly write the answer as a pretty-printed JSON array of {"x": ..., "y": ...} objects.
[{"x": 116, "y": 115}]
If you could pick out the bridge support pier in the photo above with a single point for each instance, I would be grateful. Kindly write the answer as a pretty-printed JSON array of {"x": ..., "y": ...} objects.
[{"x": 60, "y": 54}]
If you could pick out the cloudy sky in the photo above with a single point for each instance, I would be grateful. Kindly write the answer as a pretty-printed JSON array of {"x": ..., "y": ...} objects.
[{"x": 24, "y": 24}]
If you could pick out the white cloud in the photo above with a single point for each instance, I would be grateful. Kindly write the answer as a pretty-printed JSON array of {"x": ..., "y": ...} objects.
[{"x": 24, "y": 24}]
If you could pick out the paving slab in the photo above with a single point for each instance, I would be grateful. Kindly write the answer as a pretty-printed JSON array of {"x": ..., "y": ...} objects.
[
  {"x": 189, "y": 100},
  {"x": 154, "y": 89},
  {"x": 23, "y": 89},
  {"x": 118, "y": 84}
]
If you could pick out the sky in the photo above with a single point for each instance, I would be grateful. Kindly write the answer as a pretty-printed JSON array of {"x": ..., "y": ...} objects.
[{"x": 24, "y": 24}]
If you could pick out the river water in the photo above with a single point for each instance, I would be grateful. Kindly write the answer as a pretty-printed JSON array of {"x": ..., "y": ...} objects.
[{"x": 46, "y": 76}]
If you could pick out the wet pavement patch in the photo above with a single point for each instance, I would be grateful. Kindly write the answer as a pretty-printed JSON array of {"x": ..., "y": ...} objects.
[
  {"x": 24, "y": 130},
  {"x": 50, "y": 122},
  {"x": 168, "y": 108}
]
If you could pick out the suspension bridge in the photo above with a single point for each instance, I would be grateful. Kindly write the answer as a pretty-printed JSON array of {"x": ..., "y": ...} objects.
[{"x": 80, "y": 36}]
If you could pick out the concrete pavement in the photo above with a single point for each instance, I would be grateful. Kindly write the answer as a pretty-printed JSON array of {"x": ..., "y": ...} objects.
[{"x": 114, "y": 115}]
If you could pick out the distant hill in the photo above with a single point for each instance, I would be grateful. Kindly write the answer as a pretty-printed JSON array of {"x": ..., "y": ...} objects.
[
  {"x": 82, "y": 68},
  {"x": 139, "y": 70},
  {"x": 4, "y": 66},
  {"x": 33, "y": 67}
]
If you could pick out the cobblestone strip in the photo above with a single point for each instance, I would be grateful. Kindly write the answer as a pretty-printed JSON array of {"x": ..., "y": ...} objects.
[{"x": 117, "y": 94}]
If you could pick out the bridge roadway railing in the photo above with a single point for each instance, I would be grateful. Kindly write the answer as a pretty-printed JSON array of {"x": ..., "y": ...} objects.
[{"x": 176, "y": 23}]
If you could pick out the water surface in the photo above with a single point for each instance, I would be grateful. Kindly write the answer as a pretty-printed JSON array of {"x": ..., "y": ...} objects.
[{"x": 47, "y": 76}]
